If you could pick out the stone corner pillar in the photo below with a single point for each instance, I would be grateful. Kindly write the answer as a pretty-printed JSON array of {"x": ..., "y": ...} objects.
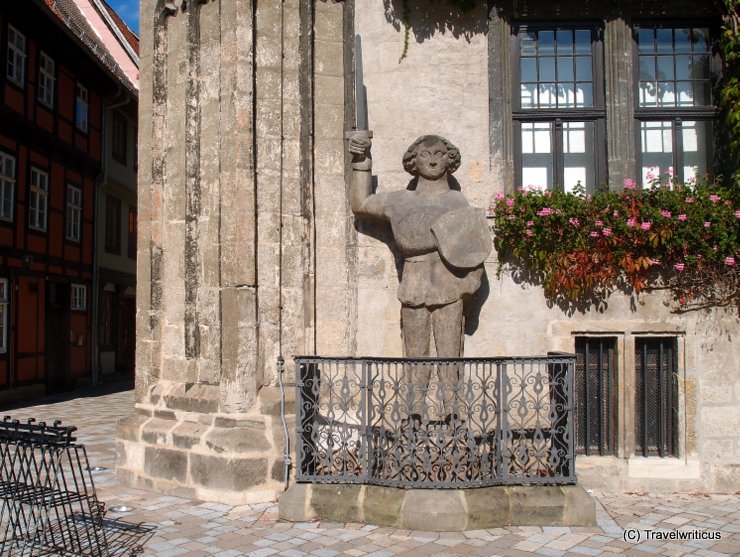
[{"x": 204, "y": 425}]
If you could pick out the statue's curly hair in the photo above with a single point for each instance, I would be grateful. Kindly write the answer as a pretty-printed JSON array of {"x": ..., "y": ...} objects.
[{"x": 409, "y": 157}]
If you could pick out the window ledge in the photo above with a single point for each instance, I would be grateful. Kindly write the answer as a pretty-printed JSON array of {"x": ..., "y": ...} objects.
[{"x": 664, "y": 468}]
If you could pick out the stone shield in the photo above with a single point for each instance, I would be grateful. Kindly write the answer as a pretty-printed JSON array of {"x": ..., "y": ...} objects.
[{"x": 462, "y": 237}]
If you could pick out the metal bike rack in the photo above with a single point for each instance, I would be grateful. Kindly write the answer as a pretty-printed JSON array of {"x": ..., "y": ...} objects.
[{"x": 49, "y": 504}]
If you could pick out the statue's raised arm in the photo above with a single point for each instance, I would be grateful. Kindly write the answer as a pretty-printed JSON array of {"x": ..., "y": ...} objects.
[{"x": 362, "y": 200}]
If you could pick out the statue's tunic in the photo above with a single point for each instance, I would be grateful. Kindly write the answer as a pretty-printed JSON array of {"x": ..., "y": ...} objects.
[{"x": 427, "y": 279}]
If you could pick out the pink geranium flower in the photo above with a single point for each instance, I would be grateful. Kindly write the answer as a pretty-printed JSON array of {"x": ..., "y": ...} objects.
[
  {"x": 629, "y": 184},
  {"x": 679, "y": 266},
  {"x": 714, "y": 198},
  {"x": 632, "y": 223},
  {"x": 682, "y": 217},
  {"x": 574, "y": 221},
  {"x": 594, "y": 234},
  {"x": 689, "y": 200},
  {"x": 730, "y": 261},
  {"x": 509, "y": 202},
  {"x": 606, "y": 231},
  {"x": 707, "y": 224},
  {"x": 645, "y": 225},
  {"x": 499, "y": 195},
  {"x": 666, "y": 214},
  {"x": 530, "y": 223}
]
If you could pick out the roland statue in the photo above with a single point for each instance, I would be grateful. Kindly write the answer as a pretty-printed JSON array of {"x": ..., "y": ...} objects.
[{"x": 444, "y": 243}]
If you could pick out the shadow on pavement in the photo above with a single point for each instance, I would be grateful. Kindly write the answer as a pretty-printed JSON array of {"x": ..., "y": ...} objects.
[
  {"x": 125, "y": 539},
  {"x": 107, "y": 388}
]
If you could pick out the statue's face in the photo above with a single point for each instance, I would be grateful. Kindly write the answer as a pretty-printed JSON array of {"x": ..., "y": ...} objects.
[{"x": 431, "y": 159}]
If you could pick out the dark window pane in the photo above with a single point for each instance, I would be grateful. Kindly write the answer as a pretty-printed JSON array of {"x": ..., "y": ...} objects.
[
  {"x": 546, "y": 42},
  {"x": 547, "y": 69},
  {"x": 528, "y": 69},
  {"x": 584, "y": 71},
  {"x": 528, "y": 41},
  {"x": 703, "y": 94},
  {"x": 665, "y": 68},
  {"x": 683, "y": 67},
  {"x": 664, "y": 40},
  {"x": 584, "y": 94},
  {"x": 565, "y": 41},
  {"x": 645, "y": 40},
  {"x": 700, "y": 38},
  {"x": 565, "y": 69},
  {"x": 683, "y": 40},
  {"x": 700, "y": 67},
  {"x": 647, "y": 68}
]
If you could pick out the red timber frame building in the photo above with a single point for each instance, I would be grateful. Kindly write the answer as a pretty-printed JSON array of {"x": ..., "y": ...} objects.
[{"x": 52, "y": 92}]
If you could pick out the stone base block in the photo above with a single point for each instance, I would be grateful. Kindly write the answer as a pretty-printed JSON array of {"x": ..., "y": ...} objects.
[
  {"x": 189, "y": 450},
  {"x": 440, "y": 510}
]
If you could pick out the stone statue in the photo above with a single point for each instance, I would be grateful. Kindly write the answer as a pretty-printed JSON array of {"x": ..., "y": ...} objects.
[{"x": 444, "y": 242}]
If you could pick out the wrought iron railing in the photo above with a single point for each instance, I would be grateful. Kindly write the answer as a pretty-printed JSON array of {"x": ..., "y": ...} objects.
[{"x": 435, "y": 423}]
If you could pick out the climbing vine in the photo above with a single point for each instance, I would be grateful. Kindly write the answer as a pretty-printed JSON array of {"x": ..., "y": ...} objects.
[
  {"x": 681, "y": 237},
  {"x": 730, "y": 92}
]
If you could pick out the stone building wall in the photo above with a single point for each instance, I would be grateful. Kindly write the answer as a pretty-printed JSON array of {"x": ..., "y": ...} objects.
[{"x": 248, "y": 249}]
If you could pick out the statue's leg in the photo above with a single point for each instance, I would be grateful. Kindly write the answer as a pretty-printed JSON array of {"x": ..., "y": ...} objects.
[
  {"x": 416, "y": 330},
  {"x": 447, "y": 324}
]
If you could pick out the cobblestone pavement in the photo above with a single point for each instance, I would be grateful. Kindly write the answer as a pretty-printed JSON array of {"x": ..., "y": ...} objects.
[{"x": 165, "y": 526}]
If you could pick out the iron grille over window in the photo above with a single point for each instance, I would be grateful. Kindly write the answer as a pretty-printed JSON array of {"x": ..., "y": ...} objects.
[
  {"x": 656, "y": 397},
  {"x": 595, "y": 395}
]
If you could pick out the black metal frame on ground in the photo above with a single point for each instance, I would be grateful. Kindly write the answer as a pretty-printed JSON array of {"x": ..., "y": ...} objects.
[
  {"x": 49, "y": 504},
  {"x": 435, "y": 423}
]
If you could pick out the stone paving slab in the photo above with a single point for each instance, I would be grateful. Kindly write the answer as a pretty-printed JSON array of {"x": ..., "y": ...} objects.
[{"x": 635, "y": 524}]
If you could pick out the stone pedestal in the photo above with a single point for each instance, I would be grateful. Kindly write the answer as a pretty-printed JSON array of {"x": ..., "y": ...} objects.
[
  {"x": 181, "y": 444},
  {"x": 440, "y": 510}
]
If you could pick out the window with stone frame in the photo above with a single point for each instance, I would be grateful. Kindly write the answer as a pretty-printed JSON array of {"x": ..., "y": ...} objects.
[
  {"x": 559, "y": 114},
  {"x": 595, "y": 395},
  {"x": 675, "y": 101},
  {"x": 7, "y": 186},
  {"x": 16, "y": 66},
  {"x": 38, "y": 199},
  {"x": 47, "y": 80},
  {"x": 656, "y": 396}
]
